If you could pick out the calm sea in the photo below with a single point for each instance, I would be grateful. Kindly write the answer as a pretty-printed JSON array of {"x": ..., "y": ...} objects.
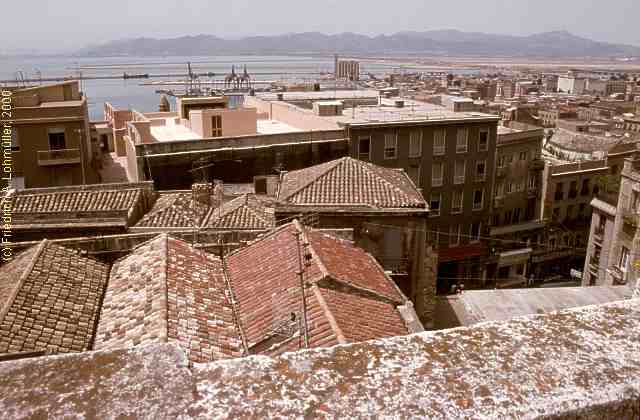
[{"x": 130, "y": 94}]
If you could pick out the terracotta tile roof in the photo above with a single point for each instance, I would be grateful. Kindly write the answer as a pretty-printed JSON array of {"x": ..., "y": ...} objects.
[
  {"x": 166, "y": 290},
  {"x": 360, "y": 318},
  {"x": 174, "y": 210},
  {"x": 263, "y": 277},
  {"x": 351, "y": 182},
  {"x": 350, "y": 265},
  {"x": 248, "y": 211},
  {"x": 75, "y": 201},
  {"x": 49, "y": 300},
  {"x": 77, "y": 204}
]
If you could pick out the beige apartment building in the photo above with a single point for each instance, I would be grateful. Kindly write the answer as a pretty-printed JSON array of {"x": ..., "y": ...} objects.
[
  {"x": 613, "y": 254},
  {"x": 51, "y": 144}
]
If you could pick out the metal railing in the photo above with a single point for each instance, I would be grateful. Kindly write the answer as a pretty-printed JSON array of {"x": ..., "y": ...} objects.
[{"x": 58, "y": 156}]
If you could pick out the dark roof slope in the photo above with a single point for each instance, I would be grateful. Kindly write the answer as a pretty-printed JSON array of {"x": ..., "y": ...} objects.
[
  {"x": 249, "y": 211},
  {"x": 50, "y": 298}
]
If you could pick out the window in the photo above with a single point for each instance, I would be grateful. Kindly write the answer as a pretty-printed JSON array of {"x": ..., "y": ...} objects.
[
  {"x": 516, "y": 215},
  {"x": 15, "y": 142},
  {"x": 496, "y": 220},
  {"x": 460, "y": 167},
  {"x": 456, "y": 202},
  {"x": 520, "y": 186},
  {"x": 481, "y": 166},
  {"x": 509, "y": 187},
  {"x": 364, "y": 148},
  {"x": 570, "y": 211},
  {"x": 508, "y": 216},
  {"x": 500, "y": 162},
  {"x": 524, "y": 156},
  {"x": 483, "y": 141},
  {"x": 216, "y": 126},
  {"x": 474, "y": 232},
  {"x": 559, "y": 191},
  {"x": 585, "y": 187},
  {"x": 437, "y": 174},
  {"x": 414, "y": 174},
  {"x": 624, "y": 259},
  {"x": 462, "y": 140},
  {"x": 56, "y": 139},
  {"x": 415, "y": 144},
  {"x": 499, "y": 189},
  {"x": 454, "y": 235},
  {"x": 508, "y": 159},
  {"x": 533, "y": 183},
  {"x": 434, "y": 205},
  {"x": 478, "y": 199},
  {"x": 439, "y": 142},
  {"x": 635, "y": 201},
  {"x": 573, "y": 189},
  {"x": 390, "y": 145},
  {"x": 556, "y": 213}
]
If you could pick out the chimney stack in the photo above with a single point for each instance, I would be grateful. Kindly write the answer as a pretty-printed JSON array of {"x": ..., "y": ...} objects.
[{"x": 202, "y": 193}]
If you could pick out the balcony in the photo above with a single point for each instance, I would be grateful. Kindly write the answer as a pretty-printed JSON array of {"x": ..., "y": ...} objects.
[
  {"x": 573, "y": 193},
  {"x": 559, "y": 196},
  {"x": 536, "y": 164},
  {"x": 498, "y": 202},
  {"x": 397, "y": 266},
  {"x": 631, "y": 219},
  {"x": 618, "y": 275},
  {"x": 532, "y": 193},
  {"x": 58, "y": 157},
  {"x": 502, "y": 172}
]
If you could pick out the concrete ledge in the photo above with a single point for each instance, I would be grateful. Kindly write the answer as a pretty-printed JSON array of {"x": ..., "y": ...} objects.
[{"x": 578, "y": 364}]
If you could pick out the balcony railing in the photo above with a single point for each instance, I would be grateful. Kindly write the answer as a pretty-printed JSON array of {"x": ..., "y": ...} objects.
[
  {"x": 502, "y": 172},
  {"x": 599, "y": 233},
  {"x": 536, "y": 164},
  {"x": 58, "y": 157},
  {"x": 498, "y": 202},
  {"x": 631, "y": 219},
  {"x": 458, "y": 180},
  {"x": 573, "y": 193},
  {"x": 559, "y": 195},
  {"x": 394, "y": 265},
  {"x": 532, "y": 193},
  {"x": 618, "y": 275}
]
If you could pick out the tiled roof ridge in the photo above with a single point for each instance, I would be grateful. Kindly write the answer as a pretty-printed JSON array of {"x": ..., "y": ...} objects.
[
  {"x": 173, "y": 203},
  {"x": 329, "y": 315},
  {"x": 330, "y": 277},
  {"x": 34, "y": 259},
  {"x": 261, "y": 238},
  {"x": 217, "y": 213},
  {"x": 136, "y": 247},
  {"x": 29, "y": 193},
  {"x": 331, "y": 165},
  {"x": 234, "y": 306},
  {"x": 316, "y": 257},
  {"x": 384, "y": 175},
  {"x": 116, "y": 186}
]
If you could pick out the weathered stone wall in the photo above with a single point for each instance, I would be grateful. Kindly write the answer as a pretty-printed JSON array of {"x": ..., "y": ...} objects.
[{"x": 578, "y": 364}]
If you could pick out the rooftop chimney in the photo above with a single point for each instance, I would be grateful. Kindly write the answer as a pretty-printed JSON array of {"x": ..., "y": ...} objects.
[{"x": 202, "y": 193}]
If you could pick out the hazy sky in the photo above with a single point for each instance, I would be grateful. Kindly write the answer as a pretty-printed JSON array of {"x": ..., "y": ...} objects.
[{"x": 69, "y": 24}]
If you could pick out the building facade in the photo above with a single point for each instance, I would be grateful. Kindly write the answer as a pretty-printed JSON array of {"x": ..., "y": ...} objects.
[
  {"x": 51, "y": 142},
  {"x": 614, "y": 243}
]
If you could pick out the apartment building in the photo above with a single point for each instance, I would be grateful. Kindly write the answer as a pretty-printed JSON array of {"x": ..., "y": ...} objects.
[
  {"x": 51, "y": 142},
  {"x": 348, "y": 70},
  {"x": 205, "y": 140},
  {"x": 615, "y": 234},
  {"x": 572, "y": 84},
  {"x": 449, "y": 155},
  {"x": 549, "y": 117}
]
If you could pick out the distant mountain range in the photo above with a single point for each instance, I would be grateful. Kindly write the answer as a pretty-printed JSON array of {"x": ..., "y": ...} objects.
[{"x": 441, "y": 42}]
